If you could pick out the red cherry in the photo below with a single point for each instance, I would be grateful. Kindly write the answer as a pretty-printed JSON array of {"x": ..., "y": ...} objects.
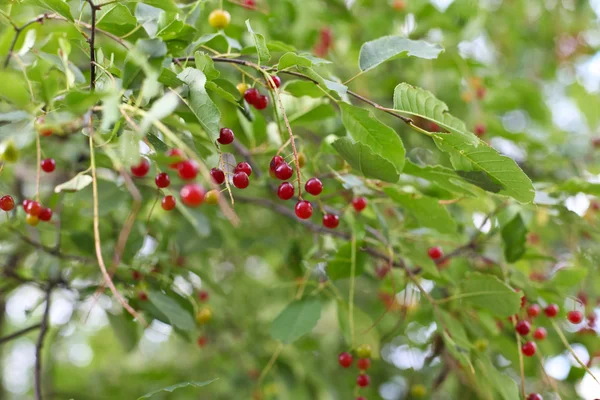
[
  {"x": 551, "y": 311},
  {"x": 435, "y": 253},
  {"x": 359, "y": 203},
  {"x": 275, "y": 161},
  {"x": 142, "y": 296},
  {"x": 249, "y": 4},
  {"x": 251, "y": 96},
  {"x": 136, "y": 275},
  {"x": 33, "y": 208},
  {"x": 192, "y": 195},
  {"x": 168, "y": 203},
  {"x": 363, "y": 380},
  {"x": 304, "y": 209},
  {"x": 480, "y": 130},
  {"x": 283, "y": 171},
  {"x": 203, "y": 295},
  {"x": 540, "y": 333},
  {"x": 48, "y": 165},
  {"x": 345, "y": 359},
  {"x": 535, "y": 396},
  {"x": 523, "y": 327},
  {"x": 141, "y": 169},
  {"x": 202, "y": 341},
  {"x": 331, "y": 221},
  {"x": 240, "y": 180},
  {"x": 261, "y": 103},
  {"x": 45, "y": 215},
  {"x": 361, "y": 398},
  {"x": 187, "y": 169},
  {"x": 7, "y": 203},
  {"x": 529, "y": 349},
  {"x": 162, "y": 180},
  {"x": 363, "y": 364},
  {"x": 243, "y": 167},
  {"x": 575, "y": 317},
  {"x": 25, "y": 204},
  {"x": 218, "y": 176},
  {"x": 314, "y": 186},
  {"x": 178, "y": 155},
  {"x": 533, "y": 310},
  {"x": 276, "y": 81},
  {"x": 226, "y": 136},
  {"x": 285, "y": 191},
  {"x": 480, "y": 92}
]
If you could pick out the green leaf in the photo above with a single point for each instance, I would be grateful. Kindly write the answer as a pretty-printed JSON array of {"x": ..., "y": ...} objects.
[
  {"x": 365, "y": 331},
  {"x": 225, "y": 90},
  {"x": 503, "y": 384},
  {"x": 341, "y": 265},
  {"x": 58, "y": 6},
  {"x": 303, "y": 88},
  {"x": 362, "y": 158},
  {"x": 490, "y": 293},
  {"x": 514, "y": 235},
  {"x": 260, "y": 43},
  {"x": 117, "y": 19},
  {"x": 427, "y": 210},
  {"x": 577, "y": 185},
  {"x": 381, "y": 139},
  {"x": 160, "y": 109},
  {"x": 200, "y": 103},
  {"x": 391, "y": 47},
  {"x": 568, "y": 277},
  {"x": 290, "y": 59},
  {"x": 205, "y": 64},
  {"x": 296, "y": 320},
  {"x": 125, "y": 328},
  {"x": 172, "y": 388},
  {"x": 74, "y": 184},
  {"x": 441, "y": 176},
  {"x": 177, "y": 315},
  {"x": 14, "y": 88}
]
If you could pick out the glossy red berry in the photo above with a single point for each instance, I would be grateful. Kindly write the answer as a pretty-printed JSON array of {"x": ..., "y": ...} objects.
[
  {"x": 535, "y": 396},
  {"x": 285, "y": 191},
  {"x": 480, "y": 130},
  {"x": 529, "y": 349},
  {"x": 33, "y": 208},
  {"x": 226, "y": 136},
  {"x": 275, "y": 161},
  {"x": 48, "y": 165},
  {"x": 7, "y": 203},
  {"x": 283, "y": 171},
  {"x": 203, "y": 295},
  {"x": 240, "y": 180},
  {"x": 359, "y": 203},
  {"x": 331, "y": 221},
  {"x": 218, "y": 176},
  {"x": 276, "y": 81},
  {"x": 303, "y": 209},
  {"x": 363, "y": 364},
  {"x": 540, "y": 333},
  {"x": 45, "y": 215},
  {"x": 523, "y": 327},
  {"x": 251, "y": 96},
  {"x": 25, "y": 204},
  {"x": 187, "y": 169},
  {"x": 575, "y": 317},
  {"x": 435, "y": 253},
  {"x": 168, "y": 203},
  {"x": 363, "y": 380},
  {"x": 345, "y": 359},
  {"x": 192, "y": 195},
  {"x": 177, "y": 155},
  {"x": 162, "y": 180},
  {"x": 140, "y": 170},
  {"x": 243, "y": 167},
  {"x": 533, "y": 310},
  {"x": 261, "y": 103},
  {"x": 551, "y": 311},
  {"x": 314, "y": 186},
  {"x": 142, "y": 296}
]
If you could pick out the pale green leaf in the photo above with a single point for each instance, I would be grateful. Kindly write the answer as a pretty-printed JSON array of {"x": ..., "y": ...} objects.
[
  {"x": 58, "y": 6},
  {"x": 172, "y": 388},
  {"x": 362, "y": 158},
  {"x": 390, "y": 47},
  {"x": 160, "y": 109},
  {"x": 341, "y": 265},
  {"x": 569, "y": 277},
  {"x": 74, "y": 184},
  {"x": 177, "y": 315},
  {"x": 441, "y": 176},
  {"x": 296, "y": 320},
  {"x": 205, "y": 64},
  {"x": 365, "y": 330},
  {"x": 290, "y": 59},
  {"x": 200, "y": 103},
  {"x": 490, "y": 293},
  {"x": 260, "y": 43}
]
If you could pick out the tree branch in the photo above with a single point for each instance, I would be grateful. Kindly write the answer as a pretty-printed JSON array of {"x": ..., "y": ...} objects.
[
  {"x": 92, "y": 42},
  {"x": 17, "y": 334},
  {"x": 40, "y": 344}
]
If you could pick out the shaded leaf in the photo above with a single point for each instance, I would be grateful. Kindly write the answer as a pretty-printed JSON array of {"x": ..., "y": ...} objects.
[
  {"x": 58, "y": 6},
  {"x": 341, "y": 265},
  {"x": 362, "y": 158},
  {"x": 514, "y": 235},
  {"x": 125, "y": 328},
  {"x": 389, "y": 47},
  {"x": 176, "y": 314},
  {"x": 260, "y": 43},
  {"x": 289, "y": 60},
  {"x": 200, "y": 103},
  {"x": 296, "y": 320},
  {"x": 490, "y": 293},
  {"x": 75, "y": 184},
  {"x": 172, "y": 388}
]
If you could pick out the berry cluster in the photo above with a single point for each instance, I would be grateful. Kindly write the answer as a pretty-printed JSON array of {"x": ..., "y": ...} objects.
[
  {"x": 203, "y": 316},
  {"x": 254, "y": 98},
  {"x": 363, "y": 352},
  {"x": 36, "y": 212}
]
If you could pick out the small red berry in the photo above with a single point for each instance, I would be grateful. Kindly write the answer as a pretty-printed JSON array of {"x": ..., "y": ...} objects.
[
  {"x": 168, "y": 203},
  {"x": 363, "y": 364},
  {"x": 251, "y": 96},
  {"x": 480, "y": 130},
  {"x": 345, "y": 359},
  {"x": 261, "y": 103},
  {"x": 240, "y": 180},
  {"x": 275, "y": 161},
  {"x": 136, "y": 275},
  {"x": 218, "y": 176},
  {"x": 226, "y": 136},
  {"x": 202, "y": 341},
  {"x": 435, "y": 253},
  {"x": 203, "y": 295},
  {"x": 359, "y": 203},
  {"x": 314, "y": 186},
  {"x": 283, "y": 171},
  {"x": 33, "y": 208},
  {"x": 192, "y": 195},
  {"x": 25, "y": 204},
  {"x": 243, "y": 167},
  {"x": 162, "y": 180},
  {"x": 575, "y": 317},
  {"x": 533, "y": 310},
  {"x": 48, "y": 165},
  {"x": 529, "y": 349},
  {"x": 304, "y": 209},
  {"x": 45, "y": 215},
  {"x": 187, "y": 169},
  {"x": 535, "y": 396},
  {"x": 178, "y": 156},
  {"x": 141, "y": 169},
  {"x": 276, "y": 81},
  {"x": 7, "y": 203},
  {"x": 249, "y": 4},
  {"x": 285, "y": 191},
  {"x": 142, "y": 296},
  {"x": 540, "y": 333},
  {"x": 551, "y": 311},
  {"x": 331, "y": 221},
  {"x": 523, "y": 328},
  {"x": 363, "y": 380}
]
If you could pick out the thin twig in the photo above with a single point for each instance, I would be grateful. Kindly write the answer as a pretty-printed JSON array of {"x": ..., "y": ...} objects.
[
  {"x": 92, "y": 42},
  {"x": 40, "y": 344},
  {"x": 20, "y": 333}
]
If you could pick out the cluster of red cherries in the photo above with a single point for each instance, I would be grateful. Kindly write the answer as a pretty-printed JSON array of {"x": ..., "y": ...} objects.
[
  {"x": 363, "y": 352},
  {"x": 257, "y": 100}
]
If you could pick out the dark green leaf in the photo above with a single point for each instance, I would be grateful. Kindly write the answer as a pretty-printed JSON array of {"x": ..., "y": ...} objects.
[
  {"x": 362, "y": 158},
  {"x": 296, "y": 320},
  {"x": 178, "y": 316},
  {"x": 490, "y": 293},
  {"x": 514, "y": 235}
]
